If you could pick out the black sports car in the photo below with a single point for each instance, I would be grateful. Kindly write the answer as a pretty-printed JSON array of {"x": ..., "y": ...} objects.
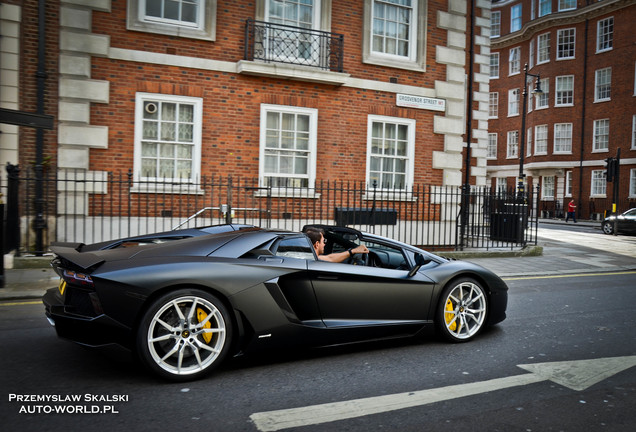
[{"x": 184, "y": 303}]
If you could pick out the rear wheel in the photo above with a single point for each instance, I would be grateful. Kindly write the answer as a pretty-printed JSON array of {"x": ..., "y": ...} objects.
[
  {"x": 462, "y": 311},
  {"x": 184, "y": 334},
  {"x": 608, "y": 227}
]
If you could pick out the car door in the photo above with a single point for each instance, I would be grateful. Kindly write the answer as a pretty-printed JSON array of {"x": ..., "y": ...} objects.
[
  {"x": 351, "y": 295},
  {"x": 627, "y": 221}
]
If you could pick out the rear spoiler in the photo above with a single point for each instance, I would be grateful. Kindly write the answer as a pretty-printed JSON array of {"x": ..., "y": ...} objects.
[{"x": 71, "y": 252}]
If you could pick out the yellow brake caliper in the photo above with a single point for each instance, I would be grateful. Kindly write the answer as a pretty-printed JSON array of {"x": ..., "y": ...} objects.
[
  {"x": 201, "y": 316},
  {"x": 449, "y": 316}
]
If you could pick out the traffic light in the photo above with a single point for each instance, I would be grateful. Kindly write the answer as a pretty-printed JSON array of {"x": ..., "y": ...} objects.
[{"x": 610, "y": 169}]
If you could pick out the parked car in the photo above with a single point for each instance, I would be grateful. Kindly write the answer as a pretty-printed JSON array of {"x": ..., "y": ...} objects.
[
  {"x": 625, "y": 223},
  {"x": 184, "y": 305}
]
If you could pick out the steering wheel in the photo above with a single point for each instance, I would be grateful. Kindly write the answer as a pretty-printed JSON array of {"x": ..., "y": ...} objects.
[
  {"x": 368, "y": 260},
  {"x": 358, "y": 259}
]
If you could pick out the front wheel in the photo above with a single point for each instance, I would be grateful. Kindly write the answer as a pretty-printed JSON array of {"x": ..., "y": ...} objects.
[
  {"x": 462, "y": 310},
  {"x": 608, "y": 227},
  {"x": 184, "y": 334}
]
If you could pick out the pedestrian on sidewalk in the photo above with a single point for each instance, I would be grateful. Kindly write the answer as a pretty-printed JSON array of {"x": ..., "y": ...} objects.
[{"x": 571, "y": 211}]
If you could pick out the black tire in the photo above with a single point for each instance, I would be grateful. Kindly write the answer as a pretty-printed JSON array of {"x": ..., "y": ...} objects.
[
  {"x": 608, "y": 227},
  {"x": 462, "y": 310},
  {"x": 184, "y": 335}
]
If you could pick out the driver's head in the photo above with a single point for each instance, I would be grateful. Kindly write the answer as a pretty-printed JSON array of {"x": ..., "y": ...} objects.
[{"x": 317, "y": 238}]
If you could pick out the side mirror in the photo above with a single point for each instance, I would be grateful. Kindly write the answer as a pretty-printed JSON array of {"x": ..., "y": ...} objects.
[{"x": 420, "y": 260}]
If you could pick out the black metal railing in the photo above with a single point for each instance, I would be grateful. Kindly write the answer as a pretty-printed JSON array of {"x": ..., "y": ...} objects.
[
  {"x": 277, "y": 43},
  {"x": 92, "y": 207}
]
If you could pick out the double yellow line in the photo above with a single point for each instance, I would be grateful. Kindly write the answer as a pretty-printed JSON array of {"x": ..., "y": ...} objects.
[
  {"x": 570, "y": 275},
  {"x": 21, "y": 303}
]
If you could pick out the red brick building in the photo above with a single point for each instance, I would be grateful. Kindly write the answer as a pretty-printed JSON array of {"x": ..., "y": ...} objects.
[
  {"x": 291, "y": 92},
  {"x": 585, "y": 56}
]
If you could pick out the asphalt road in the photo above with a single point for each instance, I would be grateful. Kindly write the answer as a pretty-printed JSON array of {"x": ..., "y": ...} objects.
[{"x": 553, "y": 322}]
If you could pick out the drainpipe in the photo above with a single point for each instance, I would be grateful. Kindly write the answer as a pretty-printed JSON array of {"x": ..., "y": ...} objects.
[
  {"x": 469, "y": 128},
  {"x": 582, "y": 153},
  {"x": 39, "y": 223}
]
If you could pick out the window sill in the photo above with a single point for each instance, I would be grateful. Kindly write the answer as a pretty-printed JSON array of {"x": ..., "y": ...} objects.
[
  {"x": 390, "y": 196},
  {"x": 288, "y": 193},
  {"x": 293, "y": 72},
  {"x": 166, "y": 188},
  {"x": 405, "y": 64}
]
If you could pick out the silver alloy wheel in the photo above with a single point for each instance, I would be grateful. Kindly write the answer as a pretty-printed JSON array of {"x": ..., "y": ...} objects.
[
  {"x": 465, "y": 310},
  {"x": 608, "y": 227},
  {"x": 186, "y": 335}
]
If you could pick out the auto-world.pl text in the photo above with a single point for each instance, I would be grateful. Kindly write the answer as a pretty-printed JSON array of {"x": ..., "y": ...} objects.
[{"x": 87, "y": 403}]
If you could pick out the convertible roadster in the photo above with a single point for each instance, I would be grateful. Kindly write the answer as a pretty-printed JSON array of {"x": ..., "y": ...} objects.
[{"x": 184, "y": 301}]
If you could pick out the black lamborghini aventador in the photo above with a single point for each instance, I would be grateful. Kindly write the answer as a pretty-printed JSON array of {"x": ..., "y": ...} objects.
[{"x": 184, "y": 301}]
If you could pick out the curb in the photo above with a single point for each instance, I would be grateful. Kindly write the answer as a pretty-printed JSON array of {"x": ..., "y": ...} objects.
[{"x": 525, "y": 252}]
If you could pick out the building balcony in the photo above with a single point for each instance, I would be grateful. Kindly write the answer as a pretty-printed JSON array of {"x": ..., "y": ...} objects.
[{"x": 293, "y": 52}]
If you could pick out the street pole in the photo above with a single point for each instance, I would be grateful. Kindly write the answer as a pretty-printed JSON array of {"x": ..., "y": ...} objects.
[{"x": 522, "y": 136}]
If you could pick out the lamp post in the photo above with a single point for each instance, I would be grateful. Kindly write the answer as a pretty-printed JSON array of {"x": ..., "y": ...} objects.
[{"x": 522, "y": 135}]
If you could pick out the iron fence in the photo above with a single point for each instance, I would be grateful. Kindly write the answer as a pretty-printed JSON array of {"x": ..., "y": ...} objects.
[
  {"x": 278, "y": 43},
  {"x": 89, "y": 207}
]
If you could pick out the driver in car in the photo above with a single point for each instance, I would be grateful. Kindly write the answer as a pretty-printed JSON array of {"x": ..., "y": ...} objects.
[{"x": 317, "y": 238}]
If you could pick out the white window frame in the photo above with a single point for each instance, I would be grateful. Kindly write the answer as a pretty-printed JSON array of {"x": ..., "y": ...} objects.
[
  {"x": 512, "y": 145},
  {"x": 598, "y": 184},
  {"x": 514, "y": 61},
  {"x": 564, "y": 93},
  {"x": 493, "y": 105},
  {"x": 603, "y": 85},
  {"x": 533, "y": 13},
  {"x": 562, "y": 138},
  {"x": 495, "y": 24},
  {"x": 204, "y": 29},
  {"x": 547, "y": 188},
  {"x": 632, "y": 183},
  {"x": 408, "y": 159},
  {"x": 634, "y": 132},
  {"x": 605, "y": 35},
  {"x": 566, "y": 44},
  {"x": 568, "y": 184},
  {"x": 529, "y": 142},
  {"x": 491, "y": 152},
  {"x": 494, "y": 65},
  {"x": 311, "y": 147},
  {"x": 543, "y": 99},
  {"x": 531, "y": 54},
  {"x": 566, "y": 5},
  {"x": 541, "y": 139},
  {"x": 516, "y": 18},
  {"x": 144, "y": 102},
  {"x": 416, "y": 60},
  {"x": 513, "y": 102},
  {"x": 277, "y": 42},
  {"x": 502, "y": 184},
  {"x": 543, "y": 48},
  {"x": 600, "y": 140},
  {"x": 545, "y": 7}
]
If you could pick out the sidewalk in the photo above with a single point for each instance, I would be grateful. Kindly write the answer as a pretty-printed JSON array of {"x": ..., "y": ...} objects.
[{"x": 31, "y": 283}]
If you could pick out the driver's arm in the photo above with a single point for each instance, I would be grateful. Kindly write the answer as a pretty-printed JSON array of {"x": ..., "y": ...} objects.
[{"x": 341, "y": 256}]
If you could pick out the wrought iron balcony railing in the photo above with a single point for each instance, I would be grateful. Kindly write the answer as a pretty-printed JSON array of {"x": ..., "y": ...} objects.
[{"x": 277, "y": 43}]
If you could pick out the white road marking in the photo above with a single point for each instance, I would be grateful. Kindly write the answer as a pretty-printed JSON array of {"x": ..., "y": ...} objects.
[{"x": 576, "y": 375}]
